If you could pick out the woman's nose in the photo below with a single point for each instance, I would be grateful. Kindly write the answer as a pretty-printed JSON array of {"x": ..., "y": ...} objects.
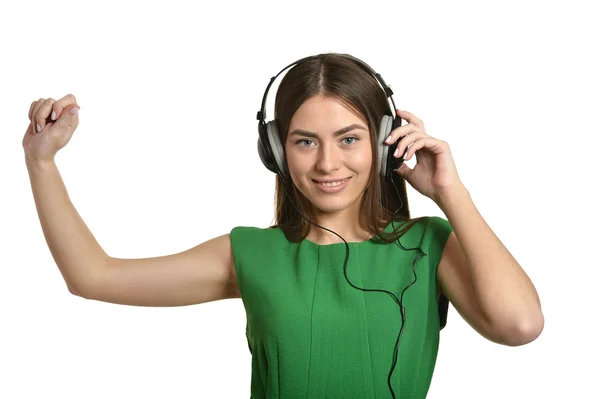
[{"x": 328, "y": 158}]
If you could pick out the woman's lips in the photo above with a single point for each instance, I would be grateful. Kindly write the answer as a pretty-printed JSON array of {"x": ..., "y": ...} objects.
[{"x": 331, "y": 189}]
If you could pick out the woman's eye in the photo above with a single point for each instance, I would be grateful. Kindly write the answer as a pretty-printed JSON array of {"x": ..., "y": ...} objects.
[
  {"x": 307, "y": 142},
  {"x": 303, "y": 141}
]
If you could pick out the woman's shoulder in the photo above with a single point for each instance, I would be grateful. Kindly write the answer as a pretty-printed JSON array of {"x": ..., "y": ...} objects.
[
  {"x": 433, "y": 233},
  {"x": 437, "y": 227},
  {"x": 427, "y": 223},
  {"x": 255, "y": 229},
  {"x": 254, "y": 233},
  {"x": 421, "y": 229}
]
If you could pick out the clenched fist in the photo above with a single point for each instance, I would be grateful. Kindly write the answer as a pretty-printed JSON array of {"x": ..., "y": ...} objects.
[{"x": 52, "y": 126}]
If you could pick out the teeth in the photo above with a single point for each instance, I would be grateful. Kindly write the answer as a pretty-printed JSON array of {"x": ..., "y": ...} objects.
[{"x": 337, "y": 183}]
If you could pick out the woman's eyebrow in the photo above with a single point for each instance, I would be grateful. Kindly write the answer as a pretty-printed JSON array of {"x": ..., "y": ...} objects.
[{"x": 306, "y": 133}]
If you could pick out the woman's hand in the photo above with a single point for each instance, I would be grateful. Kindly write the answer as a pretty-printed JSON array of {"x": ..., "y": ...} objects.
[
  {"x": 435, "y": 174},
  {"x": 52, "y": 126}
]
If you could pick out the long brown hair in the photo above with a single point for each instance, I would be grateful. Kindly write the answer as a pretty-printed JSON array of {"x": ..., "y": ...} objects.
[{"x": 336, "y": 76}]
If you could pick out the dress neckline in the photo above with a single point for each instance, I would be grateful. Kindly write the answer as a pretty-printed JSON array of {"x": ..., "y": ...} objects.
[
  {"x": 388, "y": 229},
  {"x": 350, "y": 243}
]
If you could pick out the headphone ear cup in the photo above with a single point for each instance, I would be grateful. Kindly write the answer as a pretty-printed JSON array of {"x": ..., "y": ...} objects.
[
  {"x": 264, "y": 151},
  {"x": 263, "y": 156},
  {"x": 387, "y": 163},
  {"x": 385, "y": 127},
  {"x": 277, "y": 147}
]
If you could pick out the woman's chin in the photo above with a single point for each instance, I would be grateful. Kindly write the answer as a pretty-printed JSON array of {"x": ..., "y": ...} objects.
[
  {"x": 330, "y": 204},
  {"x": 331, "y": 198}
]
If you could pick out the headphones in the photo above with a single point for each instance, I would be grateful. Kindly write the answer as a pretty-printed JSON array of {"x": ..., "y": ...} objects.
[
  {"x": 271, "y": 149},
  {"x": 271, "y": 152}
]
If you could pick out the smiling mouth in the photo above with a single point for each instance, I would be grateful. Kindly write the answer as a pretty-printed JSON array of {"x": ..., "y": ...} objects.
[{"x": 331, "y": 183}]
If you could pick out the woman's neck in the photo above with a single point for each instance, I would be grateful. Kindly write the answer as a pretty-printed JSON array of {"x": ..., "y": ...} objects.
[{"x": 351, "y": 232}]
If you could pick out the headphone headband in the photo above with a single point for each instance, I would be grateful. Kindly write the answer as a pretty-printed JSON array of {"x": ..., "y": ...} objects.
[
  {"x": 261, "y": 115},
  {"x": 271, "y": 148}
]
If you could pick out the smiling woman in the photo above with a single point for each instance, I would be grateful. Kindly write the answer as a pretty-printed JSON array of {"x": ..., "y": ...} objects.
[
  {"x": 300, "y": 285},
  {"x": 315, "y": 305},
  {"x": 333, "y": 120},
  {"x": 331, "y": 170}
]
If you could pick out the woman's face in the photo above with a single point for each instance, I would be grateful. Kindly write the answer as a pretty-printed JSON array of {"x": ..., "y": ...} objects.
[{"x": 327, "y": 141}]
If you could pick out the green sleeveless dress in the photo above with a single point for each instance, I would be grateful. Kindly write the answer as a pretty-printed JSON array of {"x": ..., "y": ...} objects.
[{"x": 312, "y": 335}]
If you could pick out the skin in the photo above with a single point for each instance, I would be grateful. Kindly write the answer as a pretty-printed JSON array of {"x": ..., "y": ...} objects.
[
  {"x": 52, "y": 126},
  {"x": 330, "y": 157}
]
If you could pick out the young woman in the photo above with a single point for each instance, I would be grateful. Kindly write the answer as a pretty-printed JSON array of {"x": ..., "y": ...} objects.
[{"x": 345, "y": 294}]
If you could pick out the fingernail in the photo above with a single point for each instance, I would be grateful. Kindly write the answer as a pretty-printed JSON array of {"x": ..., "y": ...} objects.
[
  {"x": 74, "y": 110},
  {"x": 396, "y": 153},
  {"x": 389, "y": 139},
  {"x": 39, "y": 129},
  {"x": 53, "y": 116}
]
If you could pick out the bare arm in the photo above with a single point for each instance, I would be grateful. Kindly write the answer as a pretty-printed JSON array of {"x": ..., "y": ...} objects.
[
  {"x": 76, "y": 252},
  {"x": 201, "y": 274}
]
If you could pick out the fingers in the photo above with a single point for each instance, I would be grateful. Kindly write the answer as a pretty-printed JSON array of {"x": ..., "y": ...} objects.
[
  {"x": 410, "y": 118},
  {"x": 34, "y": 114},
  {"x": 69, "y": 120},
  {"x": 45, "y": 111},
  {"x": 416, "y": 145},
  {"x": 401, "y": 132},
  {"x": 31, "y": 109},
  {"x": 405, "y": 142},
  {"x": 60, "y": 105},
  {"x": 407, "y": 134}
]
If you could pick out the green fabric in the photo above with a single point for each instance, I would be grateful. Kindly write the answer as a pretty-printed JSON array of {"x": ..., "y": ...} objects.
[{"x": 313, "y": 335}]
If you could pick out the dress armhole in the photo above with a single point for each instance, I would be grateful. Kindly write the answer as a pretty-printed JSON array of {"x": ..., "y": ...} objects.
[
  {"x": 438, "y": 231},
  {"x": 236, "y": 235}
]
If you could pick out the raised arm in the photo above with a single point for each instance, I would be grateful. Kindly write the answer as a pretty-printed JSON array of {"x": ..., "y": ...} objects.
[{"x": 201, "y": 274}]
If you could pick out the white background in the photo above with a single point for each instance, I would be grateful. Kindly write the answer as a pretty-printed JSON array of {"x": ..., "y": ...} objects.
[{"x": 165, "y": 158}]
